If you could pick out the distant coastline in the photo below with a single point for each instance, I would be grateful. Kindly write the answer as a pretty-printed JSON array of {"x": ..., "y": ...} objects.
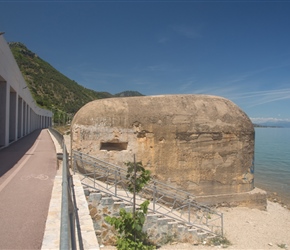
[{"x": 266, "y": 126}]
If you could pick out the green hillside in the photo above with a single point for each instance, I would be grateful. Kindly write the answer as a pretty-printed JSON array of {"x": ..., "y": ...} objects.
[
  {"x": 128, "y": 93},
  {"x": 51, "y": 89}
]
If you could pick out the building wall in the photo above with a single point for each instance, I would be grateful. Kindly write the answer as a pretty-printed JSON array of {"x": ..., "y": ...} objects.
[
  {"x": 19, "y": 114},
  {"x": 203, "y": 144}
]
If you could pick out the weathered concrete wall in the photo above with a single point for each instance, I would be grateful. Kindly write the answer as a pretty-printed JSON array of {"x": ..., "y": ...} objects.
[
  {"x": 203, "y": 144},
  {"x": 256, "y": 198}
]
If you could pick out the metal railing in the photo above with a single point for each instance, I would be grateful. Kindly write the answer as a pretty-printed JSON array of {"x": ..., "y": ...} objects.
[
  {"x": 165, "y": 200},
  {"x": 69, "y": 214},
  {"x": 67, "y": 229}
]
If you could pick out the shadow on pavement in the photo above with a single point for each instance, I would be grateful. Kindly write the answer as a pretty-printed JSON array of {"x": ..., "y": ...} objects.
[{"x": 10, "y": 155}]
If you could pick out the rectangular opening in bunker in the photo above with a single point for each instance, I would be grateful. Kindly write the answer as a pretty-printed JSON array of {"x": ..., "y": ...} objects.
[{"x": 114, "y": 146}]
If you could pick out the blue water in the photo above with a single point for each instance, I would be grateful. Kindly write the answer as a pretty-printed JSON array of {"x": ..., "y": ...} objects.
[{"x": 272, "y": 160}]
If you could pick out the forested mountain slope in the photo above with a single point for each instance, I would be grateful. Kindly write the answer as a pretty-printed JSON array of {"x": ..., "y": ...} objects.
[{"x": 50, "y": 88}]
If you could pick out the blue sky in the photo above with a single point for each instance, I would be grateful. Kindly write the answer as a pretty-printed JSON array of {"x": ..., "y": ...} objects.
[{"x": 236, "y": 49}]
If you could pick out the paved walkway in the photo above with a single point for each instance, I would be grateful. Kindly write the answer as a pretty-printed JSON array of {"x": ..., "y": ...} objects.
[{"x": 27, "y": 171}]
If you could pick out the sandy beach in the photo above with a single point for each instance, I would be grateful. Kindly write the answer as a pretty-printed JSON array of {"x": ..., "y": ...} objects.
[{"x": 248, "y": 229}]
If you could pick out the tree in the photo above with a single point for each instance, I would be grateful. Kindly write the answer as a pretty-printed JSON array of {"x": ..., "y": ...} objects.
[{"x": 129, "y": 225}]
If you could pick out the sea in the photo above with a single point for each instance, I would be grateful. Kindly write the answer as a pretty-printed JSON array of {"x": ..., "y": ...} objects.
[{"x": 272, "y": 161}]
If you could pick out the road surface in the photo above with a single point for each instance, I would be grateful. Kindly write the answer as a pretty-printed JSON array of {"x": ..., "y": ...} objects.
[{"x": 27, "y": 171}]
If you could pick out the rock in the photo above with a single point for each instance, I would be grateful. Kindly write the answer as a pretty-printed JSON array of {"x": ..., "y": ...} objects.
[
  {"x": 98, "y": 232},
  {"x": 270, "y": 244},
  {"x": 87, "y": 192}
]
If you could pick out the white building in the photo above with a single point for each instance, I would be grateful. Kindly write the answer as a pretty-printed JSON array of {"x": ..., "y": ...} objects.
[{"x": 19, "y": 114}]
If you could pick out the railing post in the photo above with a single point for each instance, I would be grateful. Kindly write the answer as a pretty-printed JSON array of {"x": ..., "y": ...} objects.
[
  {"x": 74, "y": 162},
  {"x": 94, "y": 175},
  {"x": 115, "y": 182},
  {"x": 222, "y": 224},
  {"x": 188, "y": 200},
  {"x": 71, "y": 212},
  {"x": 154, "y": 197}
]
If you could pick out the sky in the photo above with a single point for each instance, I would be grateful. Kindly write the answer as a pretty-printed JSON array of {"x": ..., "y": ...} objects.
[{"x": 239, "y": 50}]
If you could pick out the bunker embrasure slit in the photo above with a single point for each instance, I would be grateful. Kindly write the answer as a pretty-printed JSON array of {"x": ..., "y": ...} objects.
[{"x": 113, "y": 146}]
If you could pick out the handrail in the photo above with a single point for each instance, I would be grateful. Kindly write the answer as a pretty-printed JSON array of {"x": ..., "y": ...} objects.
[
  {"x": 69, "y": 215},
  {"x": 67, "y": 229},
  {"x": 111, "y": 177},
  {"x": 123, "y": 172}
]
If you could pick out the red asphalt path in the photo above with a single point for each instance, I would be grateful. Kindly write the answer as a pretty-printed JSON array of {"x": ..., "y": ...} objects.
[{"x": 27, "y": 171}]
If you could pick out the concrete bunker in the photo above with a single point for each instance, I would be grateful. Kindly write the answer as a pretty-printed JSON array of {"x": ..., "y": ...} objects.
[{"x": 199, "y": 143}]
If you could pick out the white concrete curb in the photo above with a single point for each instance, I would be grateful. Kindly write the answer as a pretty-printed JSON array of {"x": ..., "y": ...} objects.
[{"x": 51, "y": 239}]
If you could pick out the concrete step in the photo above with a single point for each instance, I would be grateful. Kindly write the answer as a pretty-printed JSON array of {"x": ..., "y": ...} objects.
[{"x": 160, "y": 227}]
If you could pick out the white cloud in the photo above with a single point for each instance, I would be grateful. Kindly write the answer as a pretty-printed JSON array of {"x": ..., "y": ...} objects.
[
  {"x": 158, "y": 67},
  {"x": 187, "y": 31},
  {"x": 163, "y": 39},
  {"x": 161, "y": 67},
  {"x": 262, "y": 97}
]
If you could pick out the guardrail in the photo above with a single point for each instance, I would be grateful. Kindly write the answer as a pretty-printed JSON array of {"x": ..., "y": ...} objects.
[
  {"x": 69, "y": 215},
  {"x": 176, "y": 204},
  {"x": 67, "y": 229},
  {"x": 58, "y": 136}
]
